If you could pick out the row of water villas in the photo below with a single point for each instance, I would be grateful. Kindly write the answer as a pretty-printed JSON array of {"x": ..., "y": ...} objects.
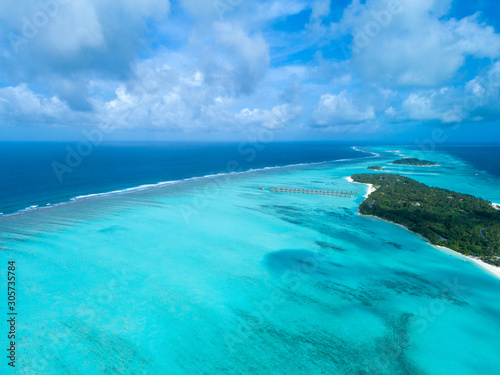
[{"x": 337, "y": 193}]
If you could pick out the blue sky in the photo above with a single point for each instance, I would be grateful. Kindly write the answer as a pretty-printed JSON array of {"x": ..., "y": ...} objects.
[{"x": 382, "y": 70}]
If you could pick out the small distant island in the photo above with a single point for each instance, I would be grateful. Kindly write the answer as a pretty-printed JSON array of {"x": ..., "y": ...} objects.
[
  {"x": 414, "y": 162},
  {"x": 375, "y": 167},
  {"x": 461, "y": 222}
]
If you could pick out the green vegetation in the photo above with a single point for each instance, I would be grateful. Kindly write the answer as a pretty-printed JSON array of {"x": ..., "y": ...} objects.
[
  {"x": 460, "y": 222},
  {"x": 414, "y": 162},
  {"x": 375, "y": 167}
]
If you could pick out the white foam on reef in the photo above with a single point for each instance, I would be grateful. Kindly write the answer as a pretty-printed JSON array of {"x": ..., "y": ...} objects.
[
  {"x": 375, "y": 155},
  {"x": 209, "y": 176}
]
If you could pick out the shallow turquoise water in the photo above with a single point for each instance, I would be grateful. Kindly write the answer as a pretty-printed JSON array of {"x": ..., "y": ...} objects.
[{"x": 215, "y": 276}]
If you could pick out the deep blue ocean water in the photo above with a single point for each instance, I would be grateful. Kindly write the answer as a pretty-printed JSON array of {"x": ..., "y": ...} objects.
[
  {"x": 485, "y": 158},
  {"x": 29, "y": 177}
]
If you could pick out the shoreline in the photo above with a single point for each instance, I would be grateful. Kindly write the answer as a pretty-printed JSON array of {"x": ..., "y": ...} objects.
[
  {"x": 488, "y": 268},
  {"x": 371, "y": 189},
  {"x": 496, "y": 206}
]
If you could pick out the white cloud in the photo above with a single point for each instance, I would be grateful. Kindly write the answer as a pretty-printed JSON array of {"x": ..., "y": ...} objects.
[
  {"x": 320, "y": 9},
  {"x": 477, "y": 100},
  {"x": 412, "y": 45},
  {"x": 340, "y": 109},
  {"x": 246, "y": 56},
  {"x": 246, "y": 13},
  {"x": 424, "y": 108},
  {"x": 276, "y": 118},
  {"x": 19, "y": 105},
  {"x": 62, "y": 44},
  {"x": 126, "y": 64},
  {"x": 474, "y": 37},
  {"x": 78, "y": 22},
  {"x": 165, "y": 97},
  {"x": 275, "y": 9}
]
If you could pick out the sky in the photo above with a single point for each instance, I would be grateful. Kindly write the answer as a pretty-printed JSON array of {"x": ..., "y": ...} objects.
[{"x": 414, "y": 71}]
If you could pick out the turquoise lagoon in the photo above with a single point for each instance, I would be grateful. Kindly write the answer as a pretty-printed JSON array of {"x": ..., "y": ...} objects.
[{"x": 215, "y": 276}]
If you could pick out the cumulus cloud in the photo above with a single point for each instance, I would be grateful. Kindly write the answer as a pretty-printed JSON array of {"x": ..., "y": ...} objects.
[
  {"x": 64, "y": 29},
  {"x": 276, "y": 118},
  {"x": 73, "y": 41},
  {"x": 276, "y": 64},
  {"x": 80, "y": 24},
  {"x": 483, "y": 92},
  {"x": 340, "y": 109},
  {"x": 166, "y": 97},
  {"x": 407, "y": 43},
  {"x": 20, "y": 105},
  {"x": 426, "y": 107},
  {"x": 477, "y": 100},
  {"x": 246, "y": 57}
]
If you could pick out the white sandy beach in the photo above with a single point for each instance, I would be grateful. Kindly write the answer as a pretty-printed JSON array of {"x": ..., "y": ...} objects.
[
  {"x": 495, "y": 271},
  {"x": 496, "y": 206},
  {"x": 491, "y": 269},
  {"x": 371, "y": 189}
]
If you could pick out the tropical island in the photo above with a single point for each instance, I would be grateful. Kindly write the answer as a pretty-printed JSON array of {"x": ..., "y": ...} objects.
[
  {"x": 414, "y": 162},
  {"x": 375, "y": 167},
  {"x": 461, "y": 222}
]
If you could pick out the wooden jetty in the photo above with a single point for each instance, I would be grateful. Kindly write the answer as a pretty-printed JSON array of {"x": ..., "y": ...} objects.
[{"x": 337, "y": 193}]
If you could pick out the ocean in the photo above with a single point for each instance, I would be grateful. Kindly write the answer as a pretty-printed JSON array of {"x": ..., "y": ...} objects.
[
  {"x": 34, "y": 175},
  {"x": 214, "y": 275},
  {"x": 484, "y": 157}
]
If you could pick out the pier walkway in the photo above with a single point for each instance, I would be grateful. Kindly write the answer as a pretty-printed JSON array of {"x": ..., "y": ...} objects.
[{"x": 337, "y": 193}]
